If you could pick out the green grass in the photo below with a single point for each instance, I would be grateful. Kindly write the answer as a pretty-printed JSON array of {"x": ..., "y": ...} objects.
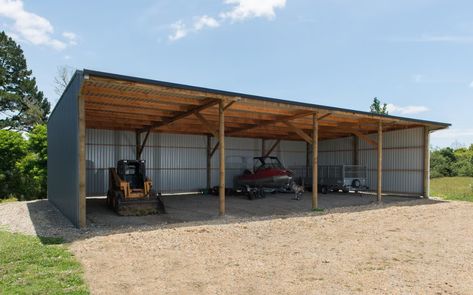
[
  {"x": 8, "y": 200},
  {"x": 452, "y": 188},
  {"x": 31, "y": 265}
]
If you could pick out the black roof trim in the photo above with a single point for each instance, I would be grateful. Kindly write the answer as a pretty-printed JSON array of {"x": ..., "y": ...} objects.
[{"x": 250, "y": 96}]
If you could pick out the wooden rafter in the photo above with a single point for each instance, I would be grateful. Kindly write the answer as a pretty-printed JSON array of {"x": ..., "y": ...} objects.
[
  {"x": 299, "y": 132},
  {"x": 364, "y": 137},
  {"x": 266, "y": 123},
  {"x": 207, "y": 125}
]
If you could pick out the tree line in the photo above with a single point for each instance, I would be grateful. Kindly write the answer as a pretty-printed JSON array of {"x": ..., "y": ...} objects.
[{"x": 23, "y": 114}]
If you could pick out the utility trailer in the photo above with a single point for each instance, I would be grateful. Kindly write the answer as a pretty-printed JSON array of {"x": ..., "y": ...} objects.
[{"x": 342, "y": 177}]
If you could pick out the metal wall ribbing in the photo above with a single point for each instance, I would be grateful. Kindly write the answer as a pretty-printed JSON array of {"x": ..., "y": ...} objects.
[
  {"x": 63, "y": 152},
  {"x": 177, "y": 162}
]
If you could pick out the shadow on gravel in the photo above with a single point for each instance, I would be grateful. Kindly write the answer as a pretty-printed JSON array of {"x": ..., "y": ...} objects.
[{"x": 201, "y": 210}]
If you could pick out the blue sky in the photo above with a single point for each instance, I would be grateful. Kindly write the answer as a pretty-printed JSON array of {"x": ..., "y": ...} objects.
[{"x": 416, "y": 55}]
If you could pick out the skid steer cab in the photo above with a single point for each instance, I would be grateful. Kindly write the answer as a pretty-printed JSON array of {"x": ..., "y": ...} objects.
[{"x": 130, "y": 192}]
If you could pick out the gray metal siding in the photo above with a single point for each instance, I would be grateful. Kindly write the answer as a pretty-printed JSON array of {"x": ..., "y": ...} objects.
[
  {"x": 63, "y": 152},
  {"x": 176, "y": 162},
  {"x": 402, "y": 159}
]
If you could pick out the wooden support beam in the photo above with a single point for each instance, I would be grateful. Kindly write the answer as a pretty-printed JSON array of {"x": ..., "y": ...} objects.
[
  {"x": 426, "y": 162},
  {"x": 315, "y": 161},
  {"x": 299, "y": 132},
  {"x": 266, "y": 123},
  {"x": 207, "y": 125},
  {"x": 229, "y": 105},
  {"x": 214, "y": 149},
  {"x": 182, "y": 115},
  {"x": 324, "y": 116},
  {"x": 221, "y": 139},
  {"x": 380, "y": 162},
  {"x": 363, "y": 136},
  {"x": 209, "y": 162},
  {"x": 272, "y": 148},
  {"x": 143, "y": 144}
]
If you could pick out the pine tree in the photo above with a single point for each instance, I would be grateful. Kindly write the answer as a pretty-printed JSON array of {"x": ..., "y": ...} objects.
[{"x": 22, "y": 105}]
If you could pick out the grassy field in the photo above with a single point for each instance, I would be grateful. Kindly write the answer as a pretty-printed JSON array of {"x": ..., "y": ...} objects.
[
  {"x": 31, "y": 265},
  {"x": 452, "y": 188}
]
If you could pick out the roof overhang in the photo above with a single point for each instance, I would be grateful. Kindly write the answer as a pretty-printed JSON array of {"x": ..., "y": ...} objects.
[{"x": 128, "y": 103}]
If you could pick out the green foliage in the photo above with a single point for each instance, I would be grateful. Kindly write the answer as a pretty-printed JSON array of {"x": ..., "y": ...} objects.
[
  {"x": 33, "y": 167},
  {"x": 22, "y": 105},
  {"x": 452, "y": 188},
  {"x": 12, "y": 147},
  {"x": 377, "y": 108},
  {"x": 448, "y": 162},
  {"x": 23, "y": 164},
  {"x": 31, "y": 265}
]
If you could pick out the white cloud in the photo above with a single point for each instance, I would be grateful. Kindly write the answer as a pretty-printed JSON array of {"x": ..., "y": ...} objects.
[
  {"x": 252, "y": 8},
  {"x": 471, "y": 84},
  {"x": 180, "y": 31},
  {"x": 407, "y": 110},
  {"x": 241, "y": 10},
  {"x": 205, "y": 21},
  {"x": 28, "y": 26},
  {"x": 71, "y": 37}
]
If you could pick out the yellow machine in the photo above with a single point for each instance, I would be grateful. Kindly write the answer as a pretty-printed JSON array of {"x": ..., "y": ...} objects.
[{"x": 130, "y": 191}]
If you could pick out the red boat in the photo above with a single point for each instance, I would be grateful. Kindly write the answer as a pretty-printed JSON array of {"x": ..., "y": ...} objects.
[{"x": 268, "y": 172}]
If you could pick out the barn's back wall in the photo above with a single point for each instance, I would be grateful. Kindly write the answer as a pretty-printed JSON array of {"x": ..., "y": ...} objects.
[{"x": 177, "y": 163}]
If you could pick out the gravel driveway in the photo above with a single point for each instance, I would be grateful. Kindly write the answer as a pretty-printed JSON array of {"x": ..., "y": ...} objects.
[{"x": 422, "y": 248}]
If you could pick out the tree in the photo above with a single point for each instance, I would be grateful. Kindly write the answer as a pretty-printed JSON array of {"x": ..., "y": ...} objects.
[
  {"x": 33, "y": 167},
  {"x": 12, "y": 148},
  {"x": 22, "y": 105},
  {"x": 377, "y": 108},
  {"x": 63, "y": 76}
]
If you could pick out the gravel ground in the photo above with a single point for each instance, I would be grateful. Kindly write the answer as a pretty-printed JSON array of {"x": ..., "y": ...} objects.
[{"x": 422, "y": 247}]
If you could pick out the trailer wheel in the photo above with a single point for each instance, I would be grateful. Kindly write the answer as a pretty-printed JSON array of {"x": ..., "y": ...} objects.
[
  {"x": 345, "y": 190},
  {"x": 251, "y": 195}
]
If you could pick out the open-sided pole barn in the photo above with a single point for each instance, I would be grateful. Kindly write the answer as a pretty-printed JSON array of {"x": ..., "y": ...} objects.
[{"x": 177, "y": 129}]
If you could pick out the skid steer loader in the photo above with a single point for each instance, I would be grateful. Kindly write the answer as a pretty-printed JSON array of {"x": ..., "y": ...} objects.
[{"x": 130, "y": 191}]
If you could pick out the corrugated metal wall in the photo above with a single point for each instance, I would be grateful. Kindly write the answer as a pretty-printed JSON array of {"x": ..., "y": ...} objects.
[
  {"x": 63, "y": 152},
  {"x": 178, "y": 162},
  {"x": 402, "y": 159}
]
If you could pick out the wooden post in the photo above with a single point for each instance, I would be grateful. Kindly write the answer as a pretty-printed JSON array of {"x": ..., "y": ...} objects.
[
  {"x": 426, "y": 162},
  {"x": 138, "y": 145},
  {"x": 315, "y": 158},
  {"x": 356, "y": 160},
  {"x": 380, "y": 162},
  {"x": 221, "y": 135},
  {"x": 82, "y": 165},
  {"x": 209, "y": 160}
]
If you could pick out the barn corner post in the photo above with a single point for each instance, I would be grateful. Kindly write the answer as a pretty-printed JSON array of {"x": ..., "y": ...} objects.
[
  {"x": 315, "y": 160},
  {"x": 426, "y": 193},
  {"x": 380, "y": 162},
  {"x": 82, "y": 164},
  {"x": 221, "y": 135}
]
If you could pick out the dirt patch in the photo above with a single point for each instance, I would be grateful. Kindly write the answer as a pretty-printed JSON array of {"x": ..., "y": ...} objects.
[{"x": 426, "y": 248}]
